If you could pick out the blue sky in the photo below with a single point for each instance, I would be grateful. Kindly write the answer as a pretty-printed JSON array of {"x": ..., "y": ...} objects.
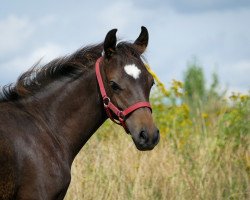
[{"x": 217, "y": 32}]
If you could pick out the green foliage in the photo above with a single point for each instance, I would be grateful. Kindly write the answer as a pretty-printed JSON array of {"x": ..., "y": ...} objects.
[
  {"x": 194, "y": 84},
  {"x": 236, "y": 120},
  {"x": 214, "y": 86}
]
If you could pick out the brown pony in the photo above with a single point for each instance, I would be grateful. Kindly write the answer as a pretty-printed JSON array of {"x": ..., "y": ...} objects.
[{"x": 52, "y": 111}]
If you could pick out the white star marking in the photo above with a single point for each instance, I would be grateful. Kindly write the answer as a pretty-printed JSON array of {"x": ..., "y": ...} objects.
[{"x": 132, "y": 70}]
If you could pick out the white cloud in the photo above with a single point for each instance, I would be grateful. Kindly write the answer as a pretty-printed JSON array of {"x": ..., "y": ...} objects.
[
  {"x": 124, "y": 15},
  {"x": 47, "y": 20},
  {"x": 14, "y": 32},
  {"x": 238, "y": 74},
  {"x": 115, "y": 14},
  {"x": 12, "y": 69}
]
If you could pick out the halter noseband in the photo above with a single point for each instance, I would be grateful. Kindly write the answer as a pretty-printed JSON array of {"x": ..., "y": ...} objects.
[{"x": 110, "y": 107}]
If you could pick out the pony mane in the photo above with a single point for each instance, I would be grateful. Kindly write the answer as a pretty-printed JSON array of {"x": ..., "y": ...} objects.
[
  {"x": 71, "y": 66},
  {"x": 39, "y": 76}
]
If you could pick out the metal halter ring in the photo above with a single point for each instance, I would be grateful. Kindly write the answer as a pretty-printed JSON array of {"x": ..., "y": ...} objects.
[
  {"x": 121, "y": 116},
  {"x": 106, "y": 101}
]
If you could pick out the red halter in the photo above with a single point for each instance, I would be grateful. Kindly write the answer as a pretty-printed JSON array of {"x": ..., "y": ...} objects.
[{"x": 109, "y": 106}]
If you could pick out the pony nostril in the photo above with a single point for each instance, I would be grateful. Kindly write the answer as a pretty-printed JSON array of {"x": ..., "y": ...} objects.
[
  {"x": 156, "y": 137},
  {"x": 143, "y": 136}
]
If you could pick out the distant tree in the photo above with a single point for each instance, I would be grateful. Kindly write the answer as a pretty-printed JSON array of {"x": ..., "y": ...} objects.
[
  {"x": 213, "y": 90},
  {"x": 194, "y": 84}
]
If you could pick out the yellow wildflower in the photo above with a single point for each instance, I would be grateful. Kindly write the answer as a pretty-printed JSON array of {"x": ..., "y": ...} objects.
[
  {"x": 204, "y": 115},
  {"x": 159, "y": 83}
]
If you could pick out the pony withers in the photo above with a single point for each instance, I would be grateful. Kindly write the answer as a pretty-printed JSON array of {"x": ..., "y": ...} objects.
[{"x": 50, "y": 113}]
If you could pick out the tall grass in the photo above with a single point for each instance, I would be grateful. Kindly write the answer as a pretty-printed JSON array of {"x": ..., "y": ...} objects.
[{"x": 204, "y": 153}]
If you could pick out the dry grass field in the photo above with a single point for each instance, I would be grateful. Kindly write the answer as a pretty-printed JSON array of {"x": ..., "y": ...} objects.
[{"x": 110, "y": 167}]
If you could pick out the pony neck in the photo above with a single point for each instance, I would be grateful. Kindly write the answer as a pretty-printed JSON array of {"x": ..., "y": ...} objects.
[{"x": 71, "y": 111}]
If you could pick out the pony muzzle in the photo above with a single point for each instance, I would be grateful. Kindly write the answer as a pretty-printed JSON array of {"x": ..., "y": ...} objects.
[{"x": 142, "y": 129}]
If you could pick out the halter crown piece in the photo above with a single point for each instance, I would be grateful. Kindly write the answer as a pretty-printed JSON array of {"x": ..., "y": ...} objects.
[{"x": 110, "y": 108}]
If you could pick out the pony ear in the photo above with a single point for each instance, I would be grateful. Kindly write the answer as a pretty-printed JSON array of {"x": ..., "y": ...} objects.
[
  {"x": 110, "y": 43},
  {"x": 142, "y": 41}
]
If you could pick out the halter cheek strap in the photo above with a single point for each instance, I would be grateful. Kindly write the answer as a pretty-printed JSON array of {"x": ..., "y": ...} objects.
[{"x": 110, "y": 108}]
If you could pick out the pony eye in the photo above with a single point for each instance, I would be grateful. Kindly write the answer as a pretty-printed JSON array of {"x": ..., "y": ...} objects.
[{"x": 114, "y": 86}]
